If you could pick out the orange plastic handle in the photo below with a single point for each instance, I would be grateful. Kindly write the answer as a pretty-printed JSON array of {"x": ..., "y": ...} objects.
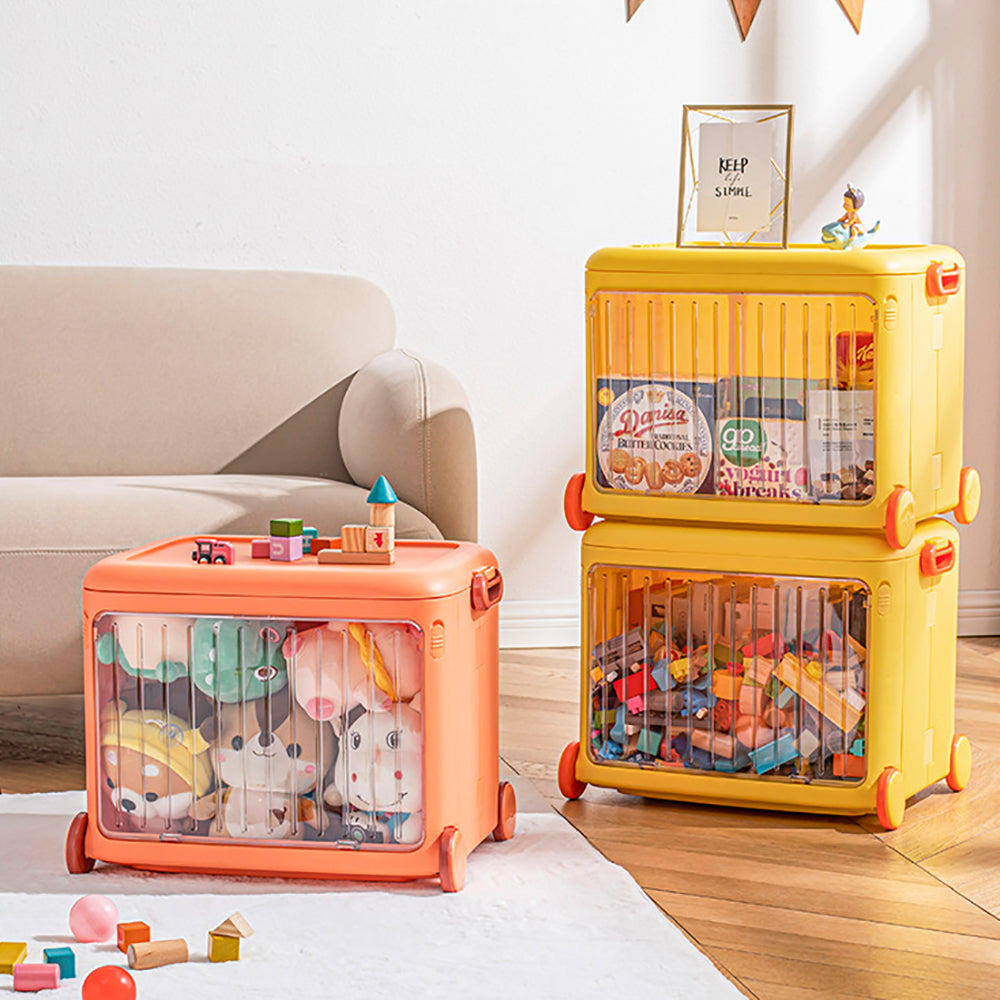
[
  {"x": 486, "y": 590},
  {"x": 942, "y": 280},
  {"x": 937, "y": 557}
]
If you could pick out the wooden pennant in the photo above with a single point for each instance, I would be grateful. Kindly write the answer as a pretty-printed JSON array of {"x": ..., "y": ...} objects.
[
  {"x": 853, "y": 9},
  {"x": 745, "y": 11},
  {"x": 631, "y": 6}
]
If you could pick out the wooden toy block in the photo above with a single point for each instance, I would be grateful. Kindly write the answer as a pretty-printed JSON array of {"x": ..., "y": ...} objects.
[
  {"x": 12, "y": 952},
  {"x": 382, "y": 515},
  {"x": 31, "y": 977},
  {"x": 820, "y": 696},
  {"x": 236, "y": 925},
  {"x": 260, "y": 548},
  {"x": 380, "y": 539},
  {"x": 65, "y": 958},
  {"x": 846, "y": 765},
  {"x": 726, "y": 685},
  {"x": 308, "y": 534},
  {"x": 352, "y": 537},
  {"x": 316, "y": 545},
  {"x": 286, "y": 527},
  {"x": 722, "y": 743},
  {"x": 130, "y": 933},
  {"x": 223, "y": 947},
  {"x": 153, "y": 954},
  {"x": 330, "y": 557},
  {"x": 286, "y": 549}
]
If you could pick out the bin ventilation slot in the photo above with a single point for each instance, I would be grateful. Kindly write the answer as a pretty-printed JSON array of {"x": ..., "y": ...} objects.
[
  {"x": 764, "y": 396},
  {"x": 743, "y": 675},
  {"x": 260, "y": 729}
]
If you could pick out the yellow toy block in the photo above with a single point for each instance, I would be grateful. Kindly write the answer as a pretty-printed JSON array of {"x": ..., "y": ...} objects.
[
  {"x": 11, "y": 953},
  {"x": 223, "y": 948},
  {"x": 822, "y": 697}
]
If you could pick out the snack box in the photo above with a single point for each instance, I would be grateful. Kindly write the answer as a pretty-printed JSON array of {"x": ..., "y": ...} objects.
[
  {"x": 876, "y": 335},
  {"x": 292, "y": 718},
  {"x": 805, "y": 671}
]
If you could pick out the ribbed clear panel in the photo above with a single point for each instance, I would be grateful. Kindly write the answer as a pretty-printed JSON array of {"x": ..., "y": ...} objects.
[
  {"x": 718, "y": 672},
  {"x": 261, "y": 729},
  {"x": 764, "y": 396}
]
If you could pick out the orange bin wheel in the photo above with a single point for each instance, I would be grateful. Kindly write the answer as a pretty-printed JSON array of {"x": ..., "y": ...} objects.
[
  {"x": 960, "y": 769},
  {"x": 900, "y": 518},
  {"x": 452, "y": 860},
  {"x": 77, "y": 862},
  {"x": 576, "y": 517},
  {"x": 890, "y": 801},
  {"x": 969, "y": 493},
  {"x": 570, "y": 786},
  {"x": 506, "y": 812}
]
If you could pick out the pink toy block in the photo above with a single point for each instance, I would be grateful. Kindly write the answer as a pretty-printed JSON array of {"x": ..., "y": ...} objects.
[
  {"x": 752, "y": 699},
  {"x": 32, "y": 977},
  {"x": 634, "y": 705},
  {"x": 260, "y": 548},
  {"x": 286, "y": 549}
]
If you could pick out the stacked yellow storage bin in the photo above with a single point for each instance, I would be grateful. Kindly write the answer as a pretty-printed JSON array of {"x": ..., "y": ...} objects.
[{"x": 769, "y": 610}]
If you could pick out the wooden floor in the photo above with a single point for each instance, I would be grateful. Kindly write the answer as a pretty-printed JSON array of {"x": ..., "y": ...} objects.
[{"x": 790, "y": 907}]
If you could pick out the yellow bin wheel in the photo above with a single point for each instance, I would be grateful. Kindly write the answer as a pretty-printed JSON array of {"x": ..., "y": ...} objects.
[
  {"x": 900, "y": 518},
  {"x": 890, "y": 801},
  {"x": 961, "y": 763},
  {"x": 970, "y": 491}
]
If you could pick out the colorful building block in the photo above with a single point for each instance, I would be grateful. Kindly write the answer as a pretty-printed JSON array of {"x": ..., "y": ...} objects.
[
  {"x": 721, "y": 744},
  {"x": 352, "y": 537},
  {"x": 30, "y": 977},
  {"x": 633, "y": 684},
  {"x": 235, "y": 925},
  {"x": 808, "y": 743},
  {"x": 635, "y": 705},
  {"x": 316, "y": 545},
  {"x": 260, "y": 548},
  {"x": 222, "y": 948},
  {"x": 308, "y": 534},
  {"x": 649, "y": 742},
  {"x": 846, "y": 765},
  {"x": 822, "y": 697},
  {"x": 286, "y": 527},
  {"x": 726, "y": 685},
  {"x": 130, "y": 933},
  {"x": 12, "y": 952},
  {"x": 286, "y": 549},
  {"x": 774, "y": 753},
  {"x": 380, "y": 539},
  {"x": 65, "y": 958}
]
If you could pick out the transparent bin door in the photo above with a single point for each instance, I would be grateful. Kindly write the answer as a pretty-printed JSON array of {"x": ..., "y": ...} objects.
[
  {"x": 261, "y": 729},
  {"x": 764, "y": 395},
  {"x": 728, "y": 673}
]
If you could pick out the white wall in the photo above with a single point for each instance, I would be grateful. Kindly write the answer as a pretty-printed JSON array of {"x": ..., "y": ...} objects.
[{"x": 468, "y": 157}]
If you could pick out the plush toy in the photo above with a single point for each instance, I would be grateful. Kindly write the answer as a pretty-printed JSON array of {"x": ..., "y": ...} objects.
[
  {"x": 236, "y": 659},
  {"x": 383, "y": 665},
  {"x": 379, "y": 774},
  {"x": 269, "y": 754},
  {"x": 154, "y": 766},
  {"x": 154, "y": 648}
]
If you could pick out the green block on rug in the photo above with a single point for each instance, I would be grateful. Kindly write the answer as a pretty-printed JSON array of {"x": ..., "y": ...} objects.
[{"x": 286, "y": 527}]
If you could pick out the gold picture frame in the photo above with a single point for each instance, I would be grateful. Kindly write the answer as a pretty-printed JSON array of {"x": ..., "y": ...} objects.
[{"x": 693, "y": 208}]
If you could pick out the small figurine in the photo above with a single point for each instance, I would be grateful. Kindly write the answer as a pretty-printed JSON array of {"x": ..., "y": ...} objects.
[{"x": 848, "y": 232}]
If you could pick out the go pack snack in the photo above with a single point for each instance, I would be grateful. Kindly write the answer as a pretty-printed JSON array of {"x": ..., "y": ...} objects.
[{"x": 655, "y": 436}]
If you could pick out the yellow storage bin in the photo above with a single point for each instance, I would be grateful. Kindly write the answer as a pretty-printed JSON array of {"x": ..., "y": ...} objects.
[
  {"x": 783, "y": 670},
  {"x": 801, "y": 387}
]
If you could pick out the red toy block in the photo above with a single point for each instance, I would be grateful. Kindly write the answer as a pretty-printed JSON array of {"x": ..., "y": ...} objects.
[
  {"x": 260, "y": 548},
  {"x": 634, "y": 684},
  {"x": 130, "y": 933},
  {"x": 846, "y": 765},
  {"x": 317, "y": 545}
]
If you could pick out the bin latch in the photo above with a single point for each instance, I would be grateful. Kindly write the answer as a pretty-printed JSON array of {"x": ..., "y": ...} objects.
[
  {"x": 937, "y": 557},
  {"x": 942, "y": 280},
  {"x": 487, "y": 588}
]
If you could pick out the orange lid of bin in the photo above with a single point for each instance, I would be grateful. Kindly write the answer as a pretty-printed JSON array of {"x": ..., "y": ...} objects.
[{"x": 422, "y": 570}]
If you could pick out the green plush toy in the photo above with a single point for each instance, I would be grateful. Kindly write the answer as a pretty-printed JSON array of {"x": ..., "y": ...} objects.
[
  {"x": 154, "y": 649},
  {"x": 237, "y": 659}
]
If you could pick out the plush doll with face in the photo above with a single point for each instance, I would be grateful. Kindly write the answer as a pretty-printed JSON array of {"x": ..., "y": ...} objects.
[
  {"x": 154, "y": 767},
  {"x": 270, "y": 755},
  {"x": 379, "y": 774},
  {"x": 153, "y": 648},
  {"x": 235, "y": 659},
  {"x": 383, "y": 665}
]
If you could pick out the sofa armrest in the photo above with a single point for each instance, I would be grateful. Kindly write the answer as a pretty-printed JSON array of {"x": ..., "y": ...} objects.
[{"x": 408, "y": 419}]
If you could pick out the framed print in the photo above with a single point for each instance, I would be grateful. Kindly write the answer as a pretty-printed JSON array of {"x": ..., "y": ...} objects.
[{"x": 735, "y": 176}]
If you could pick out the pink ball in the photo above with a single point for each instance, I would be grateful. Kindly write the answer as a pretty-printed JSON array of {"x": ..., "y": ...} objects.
[
  {"x": 109, "y": 982},
  {"x": 93, "y": 918}
]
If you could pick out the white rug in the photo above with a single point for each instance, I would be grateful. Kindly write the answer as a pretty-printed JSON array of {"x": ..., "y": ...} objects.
[{"x": 543, "y": 915}]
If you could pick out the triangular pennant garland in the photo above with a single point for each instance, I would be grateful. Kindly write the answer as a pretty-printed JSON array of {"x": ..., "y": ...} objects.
[{"x": 746, "y": 10}]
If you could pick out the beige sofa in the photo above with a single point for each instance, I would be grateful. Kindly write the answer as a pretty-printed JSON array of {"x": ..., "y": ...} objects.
[{"x": 141, "y": 403}]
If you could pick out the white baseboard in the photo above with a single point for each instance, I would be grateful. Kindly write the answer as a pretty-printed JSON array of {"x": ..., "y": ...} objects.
[
  {"x": 979, "y": 612},
  {"x": 546, "y": 624}
]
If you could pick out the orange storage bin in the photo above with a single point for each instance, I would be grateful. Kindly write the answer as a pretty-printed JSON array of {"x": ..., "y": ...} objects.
[{"x": 291, "y": 718}]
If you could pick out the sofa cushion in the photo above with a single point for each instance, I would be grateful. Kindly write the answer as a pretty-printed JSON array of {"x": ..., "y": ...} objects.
[{"x": 54, "y": 528}]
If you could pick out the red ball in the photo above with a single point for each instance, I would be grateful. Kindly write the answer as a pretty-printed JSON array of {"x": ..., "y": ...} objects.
[{"x": 109, "y": 982}]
